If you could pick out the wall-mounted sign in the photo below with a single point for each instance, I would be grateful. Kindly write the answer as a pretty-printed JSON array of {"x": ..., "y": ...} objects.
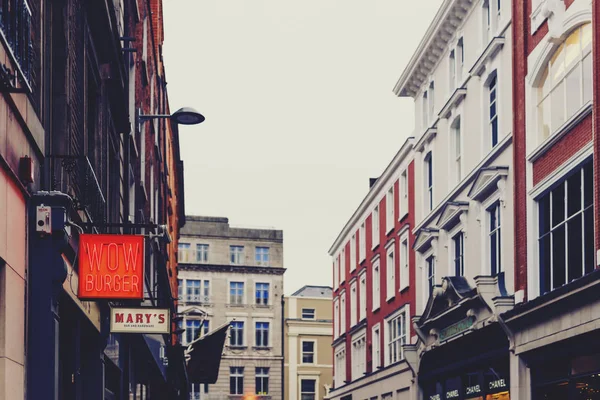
[
  {"x": 140, "y": 320},
  {"x": 111, "y": 266},
  {"x": 456, "y": 328}
]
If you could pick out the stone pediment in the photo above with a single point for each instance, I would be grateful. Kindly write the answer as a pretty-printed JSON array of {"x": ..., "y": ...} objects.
[
  {"x": 424, "y": 239},
  {"x": 452, "y": 213},
  {"x": 193, "y": 310},
  {"x": 487, "y": 182}
]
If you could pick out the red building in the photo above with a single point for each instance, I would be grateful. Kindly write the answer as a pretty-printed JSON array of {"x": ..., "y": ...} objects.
[
  {"x": 555, "y": 96},
  {"x": 374, "y": 286}
]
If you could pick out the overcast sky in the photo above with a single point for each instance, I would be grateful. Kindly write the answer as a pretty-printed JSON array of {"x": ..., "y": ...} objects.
[{"x": 299, "y": 111}]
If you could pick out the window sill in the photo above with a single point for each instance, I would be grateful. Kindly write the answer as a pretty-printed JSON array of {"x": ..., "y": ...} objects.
[
  {"x": 263, "y": 348},
  {"x": 404, "y": 289},
  {"x": 389, "y": 299},
  {"x": 402, "y": 216},
  {"x": 236, "y": 305},
  {"x": 262, "y": 305},
  {"x": 376, "y": 309},
  {"x": 237, "y": 347},
  {"x": 565, "y": 128}
]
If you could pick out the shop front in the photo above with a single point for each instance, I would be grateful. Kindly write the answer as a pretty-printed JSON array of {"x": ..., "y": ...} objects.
[{"x": 463, "y": 350}]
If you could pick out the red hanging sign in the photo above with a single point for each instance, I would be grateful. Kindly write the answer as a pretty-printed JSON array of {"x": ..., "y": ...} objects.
[{"x": 111, "y": 266}]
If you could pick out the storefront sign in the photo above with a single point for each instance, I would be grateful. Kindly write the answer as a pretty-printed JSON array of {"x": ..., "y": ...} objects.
[
  {"x": 140, "y": 320},
  {"x": 456, "y": 328},
  {"x": 111, "y": 266}
]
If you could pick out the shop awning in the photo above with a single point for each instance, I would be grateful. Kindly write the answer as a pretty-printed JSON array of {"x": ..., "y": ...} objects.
[{"x": 204, "y": 356}]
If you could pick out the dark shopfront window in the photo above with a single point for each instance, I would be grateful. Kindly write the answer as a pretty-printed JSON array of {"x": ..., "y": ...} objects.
[
  {"x": 568, "y": 378},
  {"x": 480, "y": 383}
]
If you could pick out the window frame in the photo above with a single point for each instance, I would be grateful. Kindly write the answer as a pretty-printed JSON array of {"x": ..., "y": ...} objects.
[
  {"x": 376, "y": 285},
  {"x": 359, "y": 356},
  {"x": 235, "y": 374},
  {"x": 362, "y": 295},
  {"x": 458, "y": 252},
  {"x": 183, "y": 252},
  {"x": 376, "y": 346},
  {"x": 495, "y": 208},
  {"x": 242, "y": 297},
  {"x": 429, "y": 179},
  {"x": 362, "y": 242},
  {"x": 260, "y": 374},
  {"x": 389, "y": 210},
  {"x": 239, "y": 327},
  {"x": 493, "y": 120},
  {"x": 403, "y": 194},
  {"x": 262, "y": 334},
  {"x": 404, "y": 262},
  {"x": 312, "y": 354},
  {"x": 394, "y": 352},
  {"x": 205, "y": 252},
  {"x": 390, "y": 273},
  {"x": 314, "y": 314},
  {"x": 375, "y": 226},
  {"x": 342, "y": 312},
  {"x": 259, "y": 256},
  {"x": 353, "y": 302},
  {"x": 266, "y": 301},
  {"x": 457, "y": 144},
  {"x": 307, "y": 395},
  {"x": 353, "y": 253},
  {"x": 236, "y": 254}
]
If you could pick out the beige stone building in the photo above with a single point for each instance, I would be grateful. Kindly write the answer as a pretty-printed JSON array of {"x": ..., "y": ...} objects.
[
  {"x": 307, "y": 349},
  {"x": 234, "y": 275}
]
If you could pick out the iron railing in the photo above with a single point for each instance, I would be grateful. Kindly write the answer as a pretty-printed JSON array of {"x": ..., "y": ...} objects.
[
  {"x": 75, "y": 176},
  {"x": 15, "y": 27}
]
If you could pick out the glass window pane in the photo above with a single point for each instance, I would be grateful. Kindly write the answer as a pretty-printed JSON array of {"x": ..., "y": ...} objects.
[
  {"x": 587, "y": 78},
  {"x": 545, "y": 264},
  {"x": 574, "y": 193},
  {"x": 544, "y": 114},
  {"x": 572, "y": 49},
  {"x": 558, "y": 205},
  {"x": 586, "y": 38},
  {"x": 588, "y": 240},
  {"x": 588, "y": 184},
  {"x": 573, "y": 88},
  {"x": 557, "y": 65},
  {"x": 575, "y": 256},
  {"x": 558, "y": 256},
  {"x": 557, "y": 106}
]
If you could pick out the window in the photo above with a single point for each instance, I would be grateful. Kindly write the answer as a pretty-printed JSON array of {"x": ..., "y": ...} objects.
[
  {"x": 429, "y": 181},
  {"x": 206, "y": 291},
  {"x": 180, "y": 289},
  {"x": 340, "y": 368},
  {"x": 495, "y": 239},
  {"x": 236, "y": 380},
  {"x": 308, "y": 352},
  {"x": 183, "y": 252},
  {"x": 353, "y": 253},
  {"x": 389, "y": 208},
  {"x": 431, "y": 100},
  {"x": 308, "y": 389},
  {"x": 262, "y": 256},
  {"x": 353, "y": 309},
  {"x": 236, "y": 292},
  {"x": 390, "y": 269},
  {"x": 566, "y": 230},
  {"x": 193, "y": 290},
  {"x": 458, "y": 243},
  {"x": 493, "y": 111},
  {"x": 202, "y": 253},
  {"x": 343, "y": 265},
  {"x": 342, "y": 312},
  {"x": 205, "y": 327},
  {"x": 308, "y": 313},
  {"x": 396, "y": 334},
  {"x": 262, "y": 293},
  {"x": 375, "y": 348},
  {"x": 456, "y": 133},
  {"x": 404, "y": 271},
  {"x": 362, "y": 294},
  {"x": 236, "y": 333},
  {"x": 403, "y": 195},
  {"x": 336, "y": 317},
  {"x": 262, "y": 334},
  {"x": 452, "y": 71},
  {"x": 460, "y": 50},
  {"x": 359, "y": 353},
  {"x": 192, "y": 330},
  {"x": 425, "y": 111},
  {"x": 362, "y": 242},
  {"x": 336, "y": 271},
  {"x": 375, "y": 226},
  {"x": 430, "y": 263},
  {"x": 262, "y": 381},
  {"x": 376, "y": 282},
  {"x": 566, "y": 84},
  {"x": 236, "y": 254},
  {"x": 487, "y": 22},
  {"x": 195, "y": 392},
  {"x": 15, "y": 23}
]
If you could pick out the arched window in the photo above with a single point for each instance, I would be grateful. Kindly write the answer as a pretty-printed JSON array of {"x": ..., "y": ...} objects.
[{"x": 566, "y": 83}]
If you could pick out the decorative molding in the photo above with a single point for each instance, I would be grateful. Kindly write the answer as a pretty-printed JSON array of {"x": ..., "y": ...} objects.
[
  {"x": 452, "y": 213},
  {"x": 489, "y": 53},
  {"x": 426, "y": 138},
  {"x": 424, "y": 239},
  {"x": 454, "y": 100},
  {"x": 486, "y": 182}
]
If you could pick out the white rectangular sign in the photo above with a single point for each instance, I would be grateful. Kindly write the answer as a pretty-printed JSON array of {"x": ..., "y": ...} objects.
[{"x": 140, "y": 320}]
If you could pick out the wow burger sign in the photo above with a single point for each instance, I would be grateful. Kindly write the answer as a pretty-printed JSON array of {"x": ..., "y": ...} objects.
[{"x": 111, "y": 267}]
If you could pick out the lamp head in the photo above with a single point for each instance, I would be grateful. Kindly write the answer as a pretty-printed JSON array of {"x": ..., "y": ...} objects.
[{"x": 187, "y": 116}]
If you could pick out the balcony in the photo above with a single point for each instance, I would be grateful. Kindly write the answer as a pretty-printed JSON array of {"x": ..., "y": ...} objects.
[
  {"x": 75, "y": 176},
  {"x": 15, "y": 31}
]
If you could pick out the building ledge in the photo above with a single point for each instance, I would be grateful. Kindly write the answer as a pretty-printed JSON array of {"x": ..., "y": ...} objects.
[
  {"x": 454, "y": 100},
  {"x": 490, "y": 51}
]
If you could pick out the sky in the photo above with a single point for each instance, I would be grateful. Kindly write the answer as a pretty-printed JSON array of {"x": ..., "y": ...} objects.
[{"x": 299, "y": 109}]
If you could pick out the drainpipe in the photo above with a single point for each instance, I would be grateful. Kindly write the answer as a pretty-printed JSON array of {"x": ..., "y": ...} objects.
[{"x": 282, "y": 348}]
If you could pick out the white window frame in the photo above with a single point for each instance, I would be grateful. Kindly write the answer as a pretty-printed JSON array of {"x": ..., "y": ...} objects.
[
  {"x": 404, "y": 264},
  {"x": 262, "y": 375},
  {"x": 244, "y": 329},
  {"x": 426, "y": 277},
  {"x": 353, "y": 253},
  {"x": 403, "y": 194},
  {"x": 340, "y": 365},
  {"x": 493, "y": 202},
  {"x": 390, "y": 357},
  {"x": 390, "y": 271},
  {"x": 452, "y": 236},
  {"x": 489, "y": 88},
  {"x": 362, "y": 242},
  {"x": 429, "y": 183},
  {"x": 343, "y": 265},
  {"x": 359, "y": 355},
  {"x": 236, "y": 376},
  {"x": 314, "y": 351},
  {"x": 362, "y": 294},
  {"x": 376, "y": 346},
  {"x": 229, "y": 282},
  {"x": 452, "y": 70},
  {"x": 269, "y": 334},
  {"x": 256, "y": 283},
  {"x": 336, "y": 271},
  {"x": 376, "y": 284},
  {"x": 314, "y": 314},
  {"x": 375, "y": 226},
  {"x": 460, "y": 59},
  {"x": 425, "y": 110},
  {"x": 389, "y": 209},
  {"x": 262, "y": 252},
  {"x": 486, "y": 23},
  {"x": 457, "y": 147},
  {"x": 183, "y": 252},
  {"x": 309, "y": 378},
  {"x": 353, "y": 307},
  {"x": 431, "y": 100},
  {"x": 342, "y": 312},
  {"x": 336, "y": 317},
  {"x": 206, "y": 253},
  {"x": 238, "y": 256}
]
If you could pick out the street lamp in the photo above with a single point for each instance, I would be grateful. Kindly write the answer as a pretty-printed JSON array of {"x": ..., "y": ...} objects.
[{"x": 183, "y": 116}]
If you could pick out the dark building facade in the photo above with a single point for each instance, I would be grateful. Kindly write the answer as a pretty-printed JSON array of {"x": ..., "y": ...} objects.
[{"x": 76, "y": 76}]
